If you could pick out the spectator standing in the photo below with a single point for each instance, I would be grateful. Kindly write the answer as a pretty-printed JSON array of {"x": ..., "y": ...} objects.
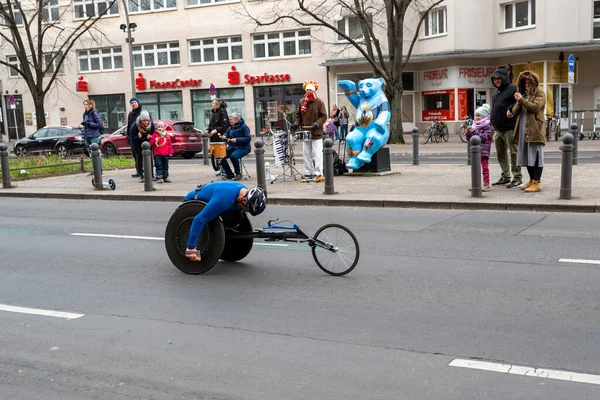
[
  {"x": 162, "y": 149},
  {"x": 481, "y": 127},
  {"x": 141, "y": 131},
  {"x": 530, "y": 128},
  {"x": 136, "y": 109},
  {"x": 312, "y": 112},
  {"x": 219, "y": 121},
  {"x": 238, "y": 145},
  {"x": 335, "y": 117},
  {"x": 344, "y": 117},
  {"x": 91, "y": 125},
  {"x": 504, "y": 135}
]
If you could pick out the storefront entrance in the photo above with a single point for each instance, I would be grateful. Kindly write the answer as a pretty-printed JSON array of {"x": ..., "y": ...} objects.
[
  {"x": 470, "y": 100},
  {"x": 268, "y": 98},
  {"x": 163, "y": 105},
  {"x": 15, "y": 123},
  {"x": 112, "y": 110}
]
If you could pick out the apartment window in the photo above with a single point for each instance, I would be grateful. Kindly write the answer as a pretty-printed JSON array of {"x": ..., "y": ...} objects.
[
  {"x": 94, "y": 8},
  {"x": 435, "y": 22},
  {"x": 17, "y": 15},
  {"x": 281, "y": 44},
  {"x": 51, "y": 61},
  {"x": 50, "y": 12},
  {"x": 152, "y": 55},
  {"x": 138, "y": 6},
  {"x": 217, "y": 49},
  {"x": 519, "y": 14},
  {"x": 100, "y": 59},
  {"x": 596, "y": 19},
  {"x": 13, "y": 60},
  {"x": 202, "y": 2},
  {"x": 350, "y": 25}
]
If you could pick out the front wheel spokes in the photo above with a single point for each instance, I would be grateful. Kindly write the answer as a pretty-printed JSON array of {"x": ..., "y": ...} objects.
[{"x": 335, "y": 249}]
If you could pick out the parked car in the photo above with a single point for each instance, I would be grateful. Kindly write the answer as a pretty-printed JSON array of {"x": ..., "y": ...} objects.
[
  {"x": 186, "y": 140},
  {"x": 62, "y": 140}
]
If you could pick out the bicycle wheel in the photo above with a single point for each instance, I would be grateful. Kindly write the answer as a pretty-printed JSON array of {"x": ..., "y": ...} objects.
[
  {"x": 426, "y": 136},
  {"x": 344, "y": 256},
  {"x": 444, "y": 132},
  {"x": 436, "y": 134},
  {"x": 462, "y": 134},
  {"x": 267, "y": 138}
]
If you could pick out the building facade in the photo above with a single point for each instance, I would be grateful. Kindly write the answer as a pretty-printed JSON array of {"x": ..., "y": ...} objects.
[{"x": 186, "y": 52}]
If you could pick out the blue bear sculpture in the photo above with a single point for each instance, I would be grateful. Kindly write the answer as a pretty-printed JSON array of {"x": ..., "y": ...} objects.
[{"x": 372, "y": 117}]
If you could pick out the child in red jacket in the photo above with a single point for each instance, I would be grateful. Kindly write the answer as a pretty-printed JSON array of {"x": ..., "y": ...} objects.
[{"x": 162, "y": 148}]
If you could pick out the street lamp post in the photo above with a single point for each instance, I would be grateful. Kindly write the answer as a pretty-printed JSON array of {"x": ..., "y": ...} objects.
[{"x": 129, "y": 27}]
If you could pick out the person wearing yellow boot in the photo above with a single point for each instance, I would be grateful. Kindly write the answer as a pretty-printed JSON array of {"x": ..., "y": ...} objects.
[{"x": 530, "y": 128}]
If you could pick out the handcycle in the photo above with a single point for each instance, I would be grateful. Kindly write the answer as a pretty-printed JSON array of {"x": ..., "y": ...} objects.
[{"x": 230, "y": 237}]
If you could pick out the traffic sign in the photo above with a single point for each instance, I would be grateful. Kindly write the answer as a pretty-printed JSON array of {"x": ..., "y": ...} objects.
[
  {"x": 571, "y": 63},
  {"x": 11, "y": 99},
  {"x": 571, "y": 77}
]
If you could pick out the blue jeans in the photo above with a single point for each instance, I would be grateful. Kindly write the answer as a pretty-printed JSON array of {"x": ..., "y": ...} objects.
[
  {"x": 235, "y": 154},
  {"x": 162, "y": 166},
  {"x": 343, "y": 131}
]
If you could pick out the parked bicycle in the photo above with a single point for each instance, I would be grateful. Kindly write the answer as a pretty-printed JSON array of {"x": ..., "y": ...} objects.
[
  {"x": 438, "y": 131},
  {"x": 462, "y": 130},
  {"x": 552, "y": 127},
  {"x": 266, "y": 136}
]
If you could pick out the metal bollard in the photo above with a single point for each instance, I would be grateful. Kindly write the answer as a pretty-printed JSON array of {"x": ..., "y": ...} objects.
[
  {"x": 328, "y": 166},
  {"x": 96, "y": 165},
  {"x": 5, "y": 169},
  {"x": 469, "y": 152},
  {"x": 415, "y": 140},
  {"x": 205, "y": 146},
  {"x": 82, "y": 164},
  {"x": 147, "y": 160},
  {"x": 573, "y": 131},
  {"x": 475, "y": 151},
  {"x": 566, "y": 171},
  {"x": 259, "y": 152}
]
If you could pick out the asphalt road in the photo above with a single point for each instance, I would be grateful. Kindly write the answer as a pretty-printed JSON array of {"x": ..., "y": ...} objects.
[{"x": 432, "y": 287}]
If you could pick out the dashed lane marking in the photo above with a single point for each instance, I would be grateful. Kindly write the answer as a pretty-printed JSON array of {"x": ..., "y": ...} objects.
[
  {"x": 527, "y": 371},
  {"x": 39, "y": 311},
  {"x": 576, "y": 261}
]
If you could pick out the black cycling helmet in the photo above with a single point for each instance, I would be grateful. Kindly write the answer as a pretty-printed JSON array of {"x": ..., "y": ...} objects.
[{"x": 257, "y": 201}]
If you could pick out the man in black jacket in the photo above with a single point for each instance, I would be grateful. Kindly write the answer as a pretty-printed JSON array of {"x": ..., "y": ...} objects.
[
  {"x": 219, "y": 121},
  {"x": 136, "y": 109},
  {"x": 504, "y": 129}
]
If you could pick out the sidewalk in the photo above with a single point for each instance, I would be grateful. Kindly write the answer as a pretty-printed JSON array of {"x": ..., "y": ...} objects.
[{"x": 423, "y": 186}]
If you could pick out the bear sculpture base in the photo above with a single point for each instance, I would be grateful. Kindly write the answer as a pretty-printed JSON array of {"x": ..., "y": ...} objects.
[{"x": 380, "y": 162}]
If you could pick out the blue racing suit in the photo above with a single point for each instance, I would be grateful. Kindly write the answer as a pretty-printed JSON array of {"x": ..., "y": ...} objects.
[{"x": 219, "y": 197}]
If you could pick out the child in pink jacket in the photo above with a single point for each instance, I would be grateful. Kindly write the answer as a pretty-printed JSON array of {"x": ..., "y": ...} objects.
[{"x": 162, "y": 149}]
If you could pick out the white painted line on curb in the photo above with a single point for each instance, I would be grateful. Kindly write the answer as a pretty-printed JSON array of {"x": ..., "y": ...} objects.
[
  {"x": 527, "y": 371},
  {"x": 38, "y": 311},
  {"x": 575, "y": 261},
  {"x": 116, "y": 236}
]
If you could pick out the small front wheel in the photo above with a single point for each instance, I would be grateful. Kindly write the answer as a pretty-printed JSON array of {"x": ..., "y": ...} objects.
[{"x": 335, "y": 249}]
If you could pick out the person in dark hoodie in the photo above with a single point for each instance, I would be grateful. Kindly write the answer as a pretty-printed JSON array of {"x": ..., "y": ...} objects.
[
  {"x": 219, "y": 121},
  {"x": 503, "y": 100},
  {"x": 136, "y": 109}
]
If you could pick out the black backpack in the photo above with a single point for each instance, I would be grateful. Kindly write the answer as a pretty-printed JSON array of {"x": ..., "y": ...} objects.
[{"x": 339, "y": 165}]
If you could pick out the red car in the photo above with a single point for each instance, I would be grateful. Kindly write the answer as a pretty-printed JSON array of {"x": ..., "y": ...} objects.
[{"x": 186, "y": 140}]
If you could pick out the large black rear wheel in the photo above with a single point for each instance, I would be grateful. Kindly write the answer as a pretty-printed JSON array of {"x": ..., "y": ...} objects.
[
  {"x": 237, "y": 249},
  {"x": 210, "y": 244}
]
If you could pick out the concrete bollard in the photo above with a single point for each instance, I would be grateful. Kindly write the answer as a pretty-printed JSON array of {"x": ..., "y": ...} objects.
[
  {"x": 147, "y": 160},
  {"x": 566, "y": 171},
  {"x": 82, "y": 164},
  {"x": 205, "y": 147},
  {"x": 96, "y": 165},
  {"x": 259, "y": 153},
  {"x": 469, "y": 153},
  {"x": 475, "y": 151},
  {"x": 573, "y": 131},
  {"x": 415, "y": 140},
  {"x": 5, "y": 169},
  {"x": 328, "y": 166}
]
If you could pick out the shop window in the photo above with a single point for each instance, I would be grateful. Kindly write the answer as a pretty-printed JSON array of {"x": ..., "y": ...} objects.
[
  {"x": 281, "y": 44},
  {"x": 209, "y": 2},
  {"x": 112, "y": 110},
  {"x": 50, "y": 12},
  {"x": 435, "y": 23},
  {"x": 152, "y": 55},
  {"x": 100, "y": 59},
  {"x": 214, "y": 50},
  {"x": 519, "y": 14},
  {"x": 266, "y": 101},
  {"x": 140, "y": 6},
  {"x": 92, "y": 8},
  {"x": 351, "y": 26},
  {"x": 438, "y": 105},
  {"x": 202, "y": 104},
  {"x": 13, "y": 60},
  {"x": 163, "y": 105},
  {"x": 596, "y": 19}
]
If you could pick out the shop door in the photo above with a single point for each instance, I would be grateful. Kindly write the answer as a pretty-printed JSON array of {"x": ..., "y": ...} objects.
[
  {"x": 15, "y": 123},
  {"x": 563, "y": 102},
  {"x": 481, "y": 97}
]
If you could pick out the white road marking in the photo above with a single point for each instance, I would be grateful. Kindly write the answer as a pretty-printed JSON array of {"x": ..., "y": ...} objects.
[
  {"x": 527, "y": 371},
  {"x": 117, "y": 236},
  {"x": 157, "y": 238},
  {"x": 576, "y": 261},
  {"x": 38, "y": 311}
]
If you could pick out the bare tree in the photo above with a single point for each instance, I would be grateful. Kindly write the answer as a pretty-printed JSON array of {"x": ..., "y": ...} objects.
[
  {"x": 40, "y": 37},
  {"x": 386, "y": 57}
]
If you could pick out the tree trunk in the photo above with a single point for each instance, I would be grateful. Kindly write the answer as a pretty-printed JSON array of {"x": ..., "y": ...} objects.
[
  {"x": 394, "y": 96},
  {"x": 40, "y": 112}
]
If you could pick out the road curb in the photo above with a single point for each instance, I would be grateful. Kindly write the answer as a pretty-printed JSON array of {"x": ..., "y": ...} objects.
[{"x": 284, "y": 201}]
